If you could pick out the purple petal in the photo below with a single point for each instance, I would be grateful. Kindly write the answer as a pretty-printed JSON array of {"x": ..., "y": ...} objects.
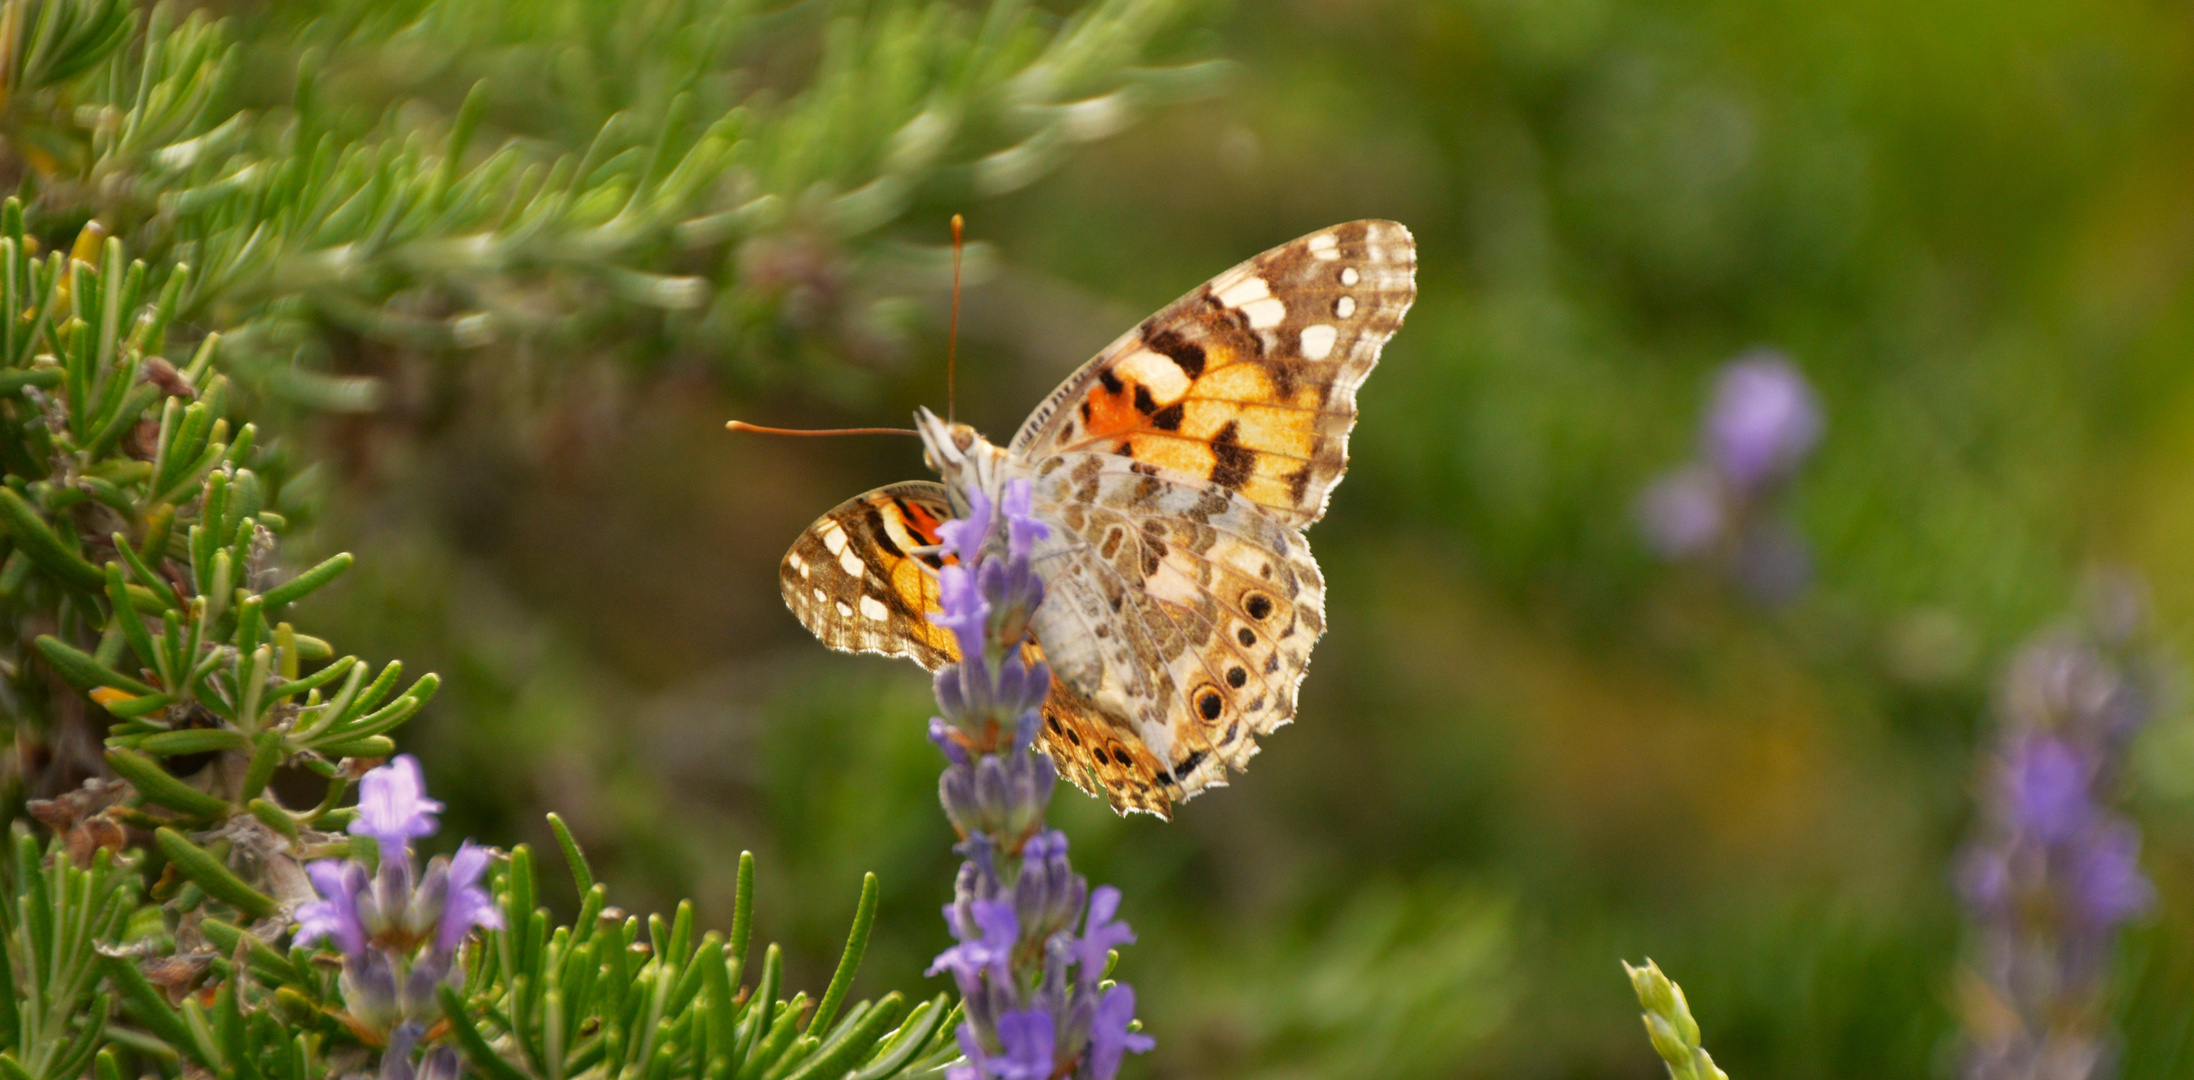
[
  {"x": 393, "y": 807},
  {"x": 1026, "y": 1036},
  {"x": 964, "y": 537},
  {"x": 991, "y": 952},
  {"x": 1101, "y": 935},
  {"x": 1023, "y": 530},
  {"x": 336, "y": 914},
  {"x": 1109, "y": 1037},
  {"x": 468, "y": 905},
  {"x": 962, "y": 609}
]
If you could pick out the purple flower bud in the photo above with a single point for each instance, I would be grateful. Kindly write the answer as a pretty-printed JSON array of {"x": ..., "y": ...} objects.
[
  {"x": 396, "y": 1058},
  {"x": 393, "y": 807},
  {"x": 1764, "y": 421},
  {"x": 1049, "y": 894},
  {"x": 439, "y": 1063},
  {"x": 370, "y": 991},
  {"x": 941, "y": 734}
]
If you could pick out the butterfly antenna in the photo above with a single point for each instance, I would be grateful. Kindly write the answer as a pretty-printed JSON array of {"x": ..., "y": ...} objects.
[
  {"x": 741, "y": 425},
  {"x": 952, "y": 338}
]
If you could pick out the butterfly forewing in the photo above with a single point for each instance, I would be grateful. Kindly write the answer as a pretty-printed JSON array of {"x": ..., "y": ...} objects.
[
  {"x": 1249, "y": 382},
  {"x": 855, "y": 577}
]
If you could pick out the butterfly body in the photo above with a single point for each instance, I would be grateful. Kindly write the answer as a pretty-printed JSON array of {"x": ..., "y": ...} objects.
[{"x": 1177, "y": 471}]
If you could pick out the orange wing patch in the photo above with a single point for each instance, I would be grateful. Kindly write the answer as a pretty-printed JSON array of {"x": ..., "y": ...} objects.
[{"x": 1250, "y": 381}]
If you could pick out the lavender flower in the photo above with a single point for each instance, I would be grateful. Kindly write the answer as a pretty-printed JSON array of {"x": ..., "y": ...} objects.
[
  {"x": 1765, "y": 420},
  {"x": 2053, "y": 871},
  {"x": 398, "y": 930},
  {"x": 1762, "y": 425},
  {"x": 1031, "y": 986}
]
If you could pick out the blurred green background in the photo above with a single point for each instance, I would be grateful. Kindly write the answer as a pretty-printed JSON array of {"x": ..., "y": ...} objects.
[{"x": 1526, "y": 748}]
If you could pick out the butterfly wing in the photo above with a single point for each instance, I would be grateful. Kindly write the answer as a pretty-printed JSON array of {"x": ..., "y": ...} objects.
[
  {"x": 855, "y": 578},
  {"x": 1250, "y": 381},
  {"x": 1176, "y": 610}
]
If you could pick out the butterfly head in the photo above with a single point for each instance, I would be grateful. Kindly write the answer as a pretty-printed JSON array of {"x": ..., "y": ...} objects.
[{"x": 961, "y": 456}]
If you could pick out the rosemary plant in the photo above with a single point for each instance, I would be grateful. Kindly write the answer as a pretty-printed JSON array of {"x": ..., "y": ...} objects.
[{"x": 208, "y": 900}]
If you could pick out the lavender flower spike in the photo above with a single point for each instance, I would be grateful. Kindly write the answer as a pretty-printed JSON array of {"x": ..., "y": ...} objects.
[
  {"x": 1017, "y": 899},
  {"x": 2053, "y": 871},
  {"x": 393, "y": 807}
]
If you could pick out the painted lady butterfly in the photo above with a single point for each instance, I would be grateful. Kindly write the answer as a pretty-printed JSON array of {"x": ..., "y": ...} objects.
[{"x": 1178, "y": 471}]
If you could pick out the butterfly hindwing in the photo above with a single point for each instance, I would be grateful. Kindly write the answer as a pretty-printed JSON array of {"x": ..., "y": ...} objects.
[
  {"x": 1249, "y": 382},
  {"x": 1179, "y": 606},
  {"x": 855, "y": 577}
]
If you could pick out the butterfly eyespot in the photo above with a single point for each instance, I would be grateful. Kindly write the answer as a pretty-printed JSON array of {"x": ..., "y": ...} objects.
[
  {"x": 1210, "y": 704},
  {"x": 1236, "y": 677},
  {"x": 1246, "y": 636},
  {"x": 1258, "y": 605}
]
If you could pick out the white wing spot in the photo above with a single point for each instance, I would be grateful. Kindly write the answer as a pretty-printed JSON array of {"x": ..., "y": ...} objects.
[
  {"x": 1344, "y": 307},
  {"x": 874, "y": 608},
  {"x": 797, "y": 563},
  {"x": 844, "y": 612},
  {"x": 1325, "y": 246},
  {"x": 850, "y": 562},
  {"x": 1349, "y": 276},
  {"x": 1166, "y": 380},
  {"x": 1266, "y": 313},
  {"x": 1244, "y": 292},
  {"x": 821, "y": 596},
  {"x": 1318, "y": 341},
  {"x": 834, "y": 538}
]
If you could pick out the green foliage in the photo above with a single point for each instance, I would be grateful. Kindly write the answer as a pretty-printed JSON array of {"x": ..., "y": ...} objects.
[
  {"x": 53, "y": 1012},
  {"x": 602, "y": 995},
  {"x": 682, "y": 207}
]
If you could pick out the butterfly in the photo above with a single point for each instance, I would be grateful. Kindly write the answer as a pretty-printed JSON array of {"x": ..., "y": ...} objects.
[{"x": 1177, "y": 471}]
